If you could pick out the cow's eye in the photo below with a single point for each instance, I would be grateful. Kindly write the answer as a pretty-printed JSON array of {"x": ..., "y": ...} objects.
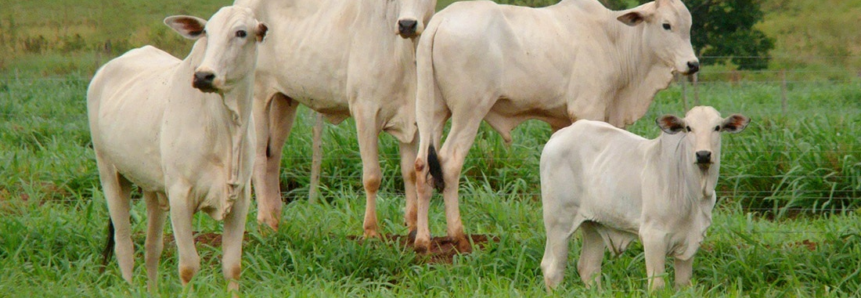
[
  {"x": 717, "y": 128},
  {"x": 667, "y": 26},
  {"x": 688, "y": 128},
  {"x": 241, "y": 33}
]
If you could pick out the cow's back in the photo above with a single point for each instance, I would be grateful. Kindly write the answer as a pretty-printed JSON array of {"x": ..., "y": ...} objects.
[
  {"x": 598, "y": 167},
  {"x": 126, "y": 101}
]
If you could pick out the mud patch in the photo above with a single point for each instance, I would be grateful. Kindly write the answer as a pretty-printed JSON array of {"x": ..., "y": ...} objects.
[{"x": 442, "y": 249}]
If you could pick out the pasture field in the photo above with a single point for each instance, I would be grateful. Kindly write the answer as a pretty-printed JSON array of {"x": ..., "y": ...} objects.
[{"x": 787, "y": 222}]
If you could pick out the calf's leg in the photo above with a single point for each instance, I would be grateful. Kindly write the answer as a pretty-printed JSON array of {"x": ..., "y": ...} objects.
[
  {"x": 156, "y": 216},
  {"x": 117, "y": 191},
  {"x": 591, "y": 256},
  {"x": 368, "y": 132},
  {"x": 684, "y": 271},
  {"x": 231, "y": 240},
  {"x": 181, "y": 214},
  {"x": 655, "y": 250}
]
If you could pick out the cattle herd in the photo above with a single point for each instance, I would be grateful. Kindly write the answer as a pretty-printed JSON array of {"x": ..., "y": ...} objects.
[{"x": 195, "y": 134}]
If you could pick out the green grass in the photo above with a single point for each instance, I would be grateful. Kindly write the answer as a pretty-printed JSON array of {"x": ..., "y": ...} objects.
[{"x": 788, "y": 182}]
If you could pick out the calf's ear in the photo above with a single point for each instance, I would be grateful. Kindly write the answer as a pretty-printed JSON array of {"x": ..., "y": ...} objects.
[
  {"x": 734, "y": 123},
  {"x": 261, "y": 32},
  {"x": 188, "y": 26},
  {"x": 670, "y": 124}
]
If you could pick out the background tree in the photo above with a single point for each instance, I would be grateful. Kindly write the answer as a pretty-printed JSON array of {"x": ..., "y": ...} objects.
[{"x": 721, "y": 28}]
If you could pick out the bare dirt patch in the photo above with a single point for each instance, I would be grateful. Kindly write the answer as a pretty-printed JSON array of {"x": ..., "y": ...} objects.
[{"x": 442, "y": 249}]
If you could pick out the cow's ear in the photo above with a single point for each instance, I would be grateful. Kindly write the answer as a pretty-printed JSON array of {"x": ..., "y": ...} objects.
[
  {"x": 261, "y": 32},
  {"x": 670, "y": 124},
  {"x": 188, "y": 26},
  {"x": 734, "y": 123}
]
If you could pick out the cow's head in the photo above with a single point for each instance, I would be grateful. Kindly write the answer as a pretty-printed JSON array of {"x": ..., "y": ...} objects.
[
  {"x": 702, "y": 127},
  {"x": 666, "y": 32},
  {"x": 230, "y": 52},
  {"x": 413, "y": 15}
]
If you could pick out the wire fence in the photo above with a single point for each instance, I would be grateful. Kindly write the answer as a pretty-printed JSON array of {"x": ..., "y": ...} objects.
[{"x": 781, "y": 81}]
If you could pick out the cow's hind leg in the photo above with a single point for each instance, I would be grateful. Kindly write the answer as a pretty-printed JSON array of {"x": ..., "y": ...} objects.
[
  {"x": 273, "y": 122},
  {"x": 231, "y": 240},
  {"x": 156, "y": 216},
  {"x": 559, "y": 230},
  {"x": 117, "y": 191},
  {"x": 368, "y": 133},
  {"x": 591, "y": 255},
  {"x": 464, "y": 127}
]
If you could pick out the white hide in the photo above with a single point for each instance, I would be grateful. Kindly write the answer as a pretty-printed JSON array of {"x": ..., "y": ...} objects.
[
  {"x": 188, "y": 150},
  {"x": 617, "y": 187}
]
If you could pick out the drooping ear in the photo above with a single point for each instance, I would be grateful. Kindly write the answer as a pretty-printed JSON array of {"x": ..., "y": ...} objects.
[
  {"x": 670, "y": 124},
  {"x": 635, "y": 16},
  {"x": 188, "y": 26},
  {"x": 261, "y": 32},
  {"x": 734, "y": 123}
]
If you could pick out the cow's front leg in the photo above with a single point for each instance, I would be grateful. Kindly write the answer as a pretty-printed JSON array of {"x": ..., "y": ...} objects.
[
  {"x": 231, "y": 241},
  {"x": 273, "y": 121},
  {"x": 408, "y": 157},
  {"x": 684, "y": 271},
  {"x": 368, "y": 132},
  {"x": 655, "y": 250},
  {"x": 181, "y": 214}
]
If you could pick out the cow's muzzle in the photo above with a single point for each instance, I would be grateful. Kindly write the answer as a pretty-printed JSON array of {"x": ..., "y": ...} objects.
[
  {"x": 704, "y": 158},
  {"x": 407, "y": 28},
  {"x": 693, "y": 67},
  {"x": 203, "y": 81}
]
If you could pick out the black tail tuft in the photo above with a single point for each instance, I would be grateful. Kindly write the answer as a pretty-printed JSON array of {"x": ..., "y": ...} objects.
[
  {"x": 109, "y": 247},
  {"x": 435, "y": 169}
]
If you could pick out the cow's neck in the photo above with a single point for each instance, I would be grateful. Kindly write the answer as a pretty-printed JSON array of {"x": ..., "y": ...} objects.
[
  {"x": 235, "y": 104},
  {"x": 642, "y": 74},
  {"x": 685, "y": 183}
]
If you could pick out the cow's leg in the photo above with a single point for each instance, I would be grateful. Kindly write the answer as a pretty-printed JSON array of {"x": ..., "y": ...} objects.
[
  {"x": 655, "y": 250},
  {"x": 181, "y": 214},
  {"x": 156, "y": 216},
  {"x": 684, "y": 271},
  {"x": 273, "y": 122},
  {"x": 368, "y": 132},
  {"x": 430, "y": 133},
  {"x": 558, "y": 230},
  {"x": 117, "y": 191},
  {"x": 408, "y": 157},
  {"x": 464, "y": 127},
  {"x": 231, "y": 240},
  {"x": 591, "y": 256}
]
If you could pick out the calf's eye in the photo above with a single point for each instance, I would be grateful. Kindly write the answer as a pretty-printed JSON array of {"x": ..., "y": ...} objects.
[
  {"x": 717, "y": 128},
  {"x": 667, "y": 26},
  {"x": 688, "y": 128},
  {"x": 241, "y": 33}
]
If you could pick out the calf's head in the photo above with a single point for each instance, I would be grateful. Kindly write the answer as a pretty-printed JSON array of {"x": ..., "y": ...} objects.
[
  {"x": 666, "y": 32},
  {"x": 230, "y": 53},
  {"x": 702, "y": 127},
  {"x": 413, "y": 15}
]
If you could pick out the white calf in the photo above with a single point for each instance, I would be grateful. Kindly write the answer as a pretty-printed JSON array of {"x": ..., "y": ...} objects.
[
  {"x": 616, "y": 186},
  {"x": 182, "y": 131}
]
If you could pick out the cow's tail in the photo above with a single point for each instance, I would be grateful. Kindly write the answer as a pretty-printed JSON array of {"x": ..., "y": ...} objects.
[
  {"x": 427, "y": 103},
  {"x": 109, "y": 246}
]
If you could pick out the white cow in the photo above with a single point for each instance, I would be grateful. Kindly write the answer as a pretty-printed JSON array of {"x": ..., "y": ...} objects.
[
  {"x": 616, "y": 186},
  {"x": 507, "y": 64},
  {"x": 182, "y": 131},
  {"x": 355, "y": 58}
]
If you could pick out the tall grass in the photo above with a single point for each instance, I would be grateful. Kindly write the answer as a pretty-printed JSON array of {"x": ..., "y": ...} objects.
[{"x": 52, "y": 213}]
